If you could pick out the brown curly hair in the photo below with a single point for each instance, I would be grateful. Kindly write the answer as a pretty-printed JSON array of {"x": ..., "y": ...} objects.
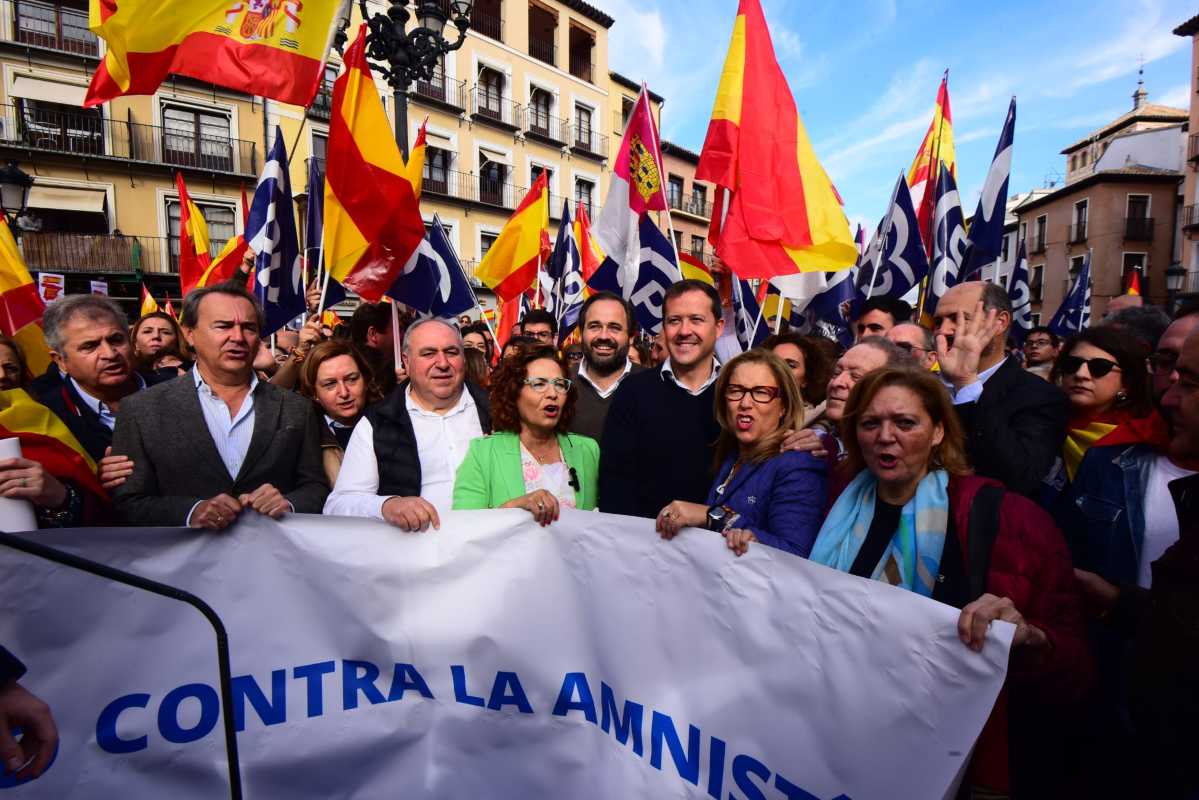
[
  {"x": 508, "y": 380},
  {"x": 818, "y": 370}
]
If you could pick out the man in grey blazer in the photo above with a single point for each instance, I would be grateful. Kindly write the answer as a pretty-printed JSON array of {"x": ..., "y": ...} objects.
[{"x": 216, "y": 441}]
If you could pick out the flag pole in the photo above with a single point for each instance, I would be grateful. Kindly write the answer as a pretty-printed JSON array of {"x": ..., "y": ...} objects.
[{"x": 395, "y": 334}]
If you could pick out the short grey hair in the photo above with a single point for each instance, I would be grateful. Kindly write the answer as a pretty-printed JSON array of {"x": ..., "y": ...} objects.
[
  {"x": 90, "y": 306},
  {"x": 896, "y": 355},
  {"x": 930, "y": 342},
  {"x": 421, "y": 323},
  {"x": 995, "y": 298},
  {"x": 189, "y": 317}
]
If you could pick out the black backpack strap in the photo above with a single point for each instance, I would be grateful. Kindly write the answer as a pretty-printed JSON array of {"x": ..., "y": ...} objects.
[{"x": 980, "y": 537}]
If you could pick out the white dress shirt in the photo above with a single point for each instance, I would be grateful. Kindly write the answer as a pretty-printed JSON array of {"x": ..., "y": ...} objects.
[
  {"x": 102, "y": 409},
  {"x": 231, "y": 433},
  {"x": 604, "y": 393},
  {"x": 441, "y": 444},
  {"x": 971, "y": 393},
  {"x": 668, "y": 373}
]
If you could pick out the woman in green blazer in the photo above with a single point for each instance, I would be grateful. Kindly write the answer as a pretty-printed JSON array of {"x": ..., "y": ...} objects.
[{"x": 530, "y": 461}]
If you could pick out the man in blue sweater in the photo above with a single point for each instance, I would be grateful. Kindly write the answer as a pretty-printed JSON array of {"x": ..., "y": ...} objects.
[{"x": 658, "y": 438}]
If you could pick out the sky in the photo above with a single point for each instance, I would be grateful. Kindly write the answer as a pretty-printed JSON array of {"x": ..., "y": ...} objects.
[{"x": 865, "y": 75}]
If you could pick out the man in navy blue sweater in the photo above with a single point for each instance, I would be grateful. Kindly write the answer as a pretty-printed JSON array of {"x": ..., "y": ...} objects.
[{"x": 658, "y": 438}]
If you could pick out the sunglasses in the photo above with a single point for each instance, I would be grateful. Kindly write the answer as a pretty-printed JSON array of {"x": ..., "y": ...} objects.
[{"x": 1098, "y": 367}]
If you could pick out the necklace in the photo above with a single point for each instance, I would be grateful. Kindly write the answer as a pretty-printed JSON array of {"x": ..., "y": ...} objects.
[{"x": 548, "y": 451}]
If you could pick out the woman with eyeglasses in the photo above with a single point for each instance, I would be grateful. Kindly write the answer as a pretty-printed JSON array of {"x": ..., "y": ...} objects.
[
  {"x": 530, "y": 461},
  {"x": 760, "y": 494}
]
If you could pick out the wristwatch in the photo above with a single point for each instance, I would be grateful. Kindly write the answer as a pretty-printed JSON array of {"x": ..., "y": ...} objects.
[{"x": 718, "y": 516}]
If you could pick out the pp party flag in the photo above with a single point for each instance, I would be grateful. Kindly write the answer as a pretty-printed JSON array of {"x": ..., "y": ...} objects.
[
  {"x": 1074, "y": 314},
  {"x": 1019, "y": 292},
  {"x": 835, "y": 306},
  {"x": 1133, "y": 285},
  {"x": 148, "y": 304},
  {"x": 935, "y": 149},
  {"x": 986, "y": 227},
  {"x": 511, "y": 263},
  {"x": 270, "y": 48},
  {"x": 949, "y": 242},
  {"x": 21, "y": 307},
  {"x": 636, "y": 187},
  {"x": 695, "y": 269},
  {"x": 372, "y": 221},
  {"x": 646, "y": 288},
  {"x": 747, "y": 315},
  {"x": 194, "y": 255},
  {"x": 271, "y": 234},
  {"x": 565, "y": 250},
  {"x": 314, "y": 234},
  {"x": 454, "y": 296},
  {"x": 564, "y": 270},
  {"x": 895, "y": 260},
  {"x": 777, "y": 211},
  {"x": 46, "y": 439}
]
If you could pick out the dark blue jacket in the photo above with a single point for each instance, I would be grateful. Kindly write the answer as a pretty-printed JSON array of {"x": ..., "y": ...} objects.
[
  {"x": 781, "y": 500},
  {"x": 11, "y": 667}
]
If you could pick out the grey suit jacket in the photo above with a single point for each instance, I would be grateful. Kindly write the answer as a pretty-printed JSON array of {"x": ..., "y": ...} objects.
[{"x": 176, "y": 464}]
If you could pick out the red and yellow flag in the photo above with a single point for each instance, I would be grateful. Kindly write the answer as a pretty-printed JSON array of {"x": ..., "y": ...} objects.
[
  {"x": 590, "y": 254},
  {"x": 21, "y": 307},
  {"x": 226, "y": 262},
  {"x": 414, "y": 170},
  {"x": 271, "y": 48},
  {"x": 46, "y": 439},
  {"x": 694, "y": 269},
  {"x": 170, "y": 309},
  {"x": 511, "y": 263},
  {"x": 372, "y": 219},
  {"x": 148, "y": 304},
  {"x": 194, "y": 257},
  {"x": 782, "y": 214},
  {"x": 936, "y": 148},
  {"x": 1134, "y": 284}
]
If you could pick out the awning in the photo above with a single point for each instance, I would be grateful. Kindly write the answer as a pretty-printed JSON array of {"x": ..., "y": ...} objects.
[
  {"x": 438, "y": 141},
  {"x": 62, "y": 199},
  {"x": 29, "y": 87},
  {"x": 497, "y": 156}
]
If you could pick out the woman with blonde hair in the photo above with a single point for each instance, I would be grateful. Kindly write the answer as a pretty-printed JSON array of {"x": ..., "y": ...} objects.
[{"x": 760, "y": 494}]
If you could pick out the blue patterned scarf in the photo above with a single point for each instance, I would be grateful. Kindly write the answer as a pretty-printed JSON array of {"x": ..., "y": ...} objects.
[{"x": 913, "y": 558}]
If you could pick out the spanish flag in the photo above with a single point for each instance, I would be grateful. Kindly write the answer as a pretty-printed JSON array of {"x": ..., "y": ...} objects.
[
  {"x": 46, "y": 439},
  {"x": 777, "y": 211},
  {"x": 511, "y": 263},
  {"x": 226, "y": 262},
  {"x": 271, "y": 48},
  {"x": 414, "y": 170},
  {"x": 937, "y": 147},
  {"x": 170, "y": 309},
  {"x": 694, "y": 269},
  {"x": 590, "y": 254},
  {"x": 194, "y": 257},
  {"x": 372, "y": 219},
  {"x": 21, "y": 307},
  {"x": 1133, "y": 284},
  {"x": 148, "y": 304}
]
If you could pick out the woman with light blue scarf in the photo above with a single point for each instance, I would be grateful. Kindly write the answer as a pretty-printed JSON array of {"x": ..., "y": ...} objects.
[{"x": 906, "y": 519}]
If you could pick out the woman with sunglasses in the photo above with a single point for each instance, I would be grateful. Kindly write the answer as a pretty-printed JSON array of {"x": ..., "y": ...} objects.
[
  {"x": 760, "y": 494},
  {"x": 530, "y": 461}
]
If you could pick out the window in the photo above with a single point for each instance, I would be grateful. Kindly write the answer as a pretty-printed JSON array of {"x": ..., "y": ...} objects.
[
  {"x": 697, "y": 246},
  {"x": 1036, "y": 282},
  {"x": 196, "y": 138},
  {"x": 1035, "y": 317},
  {"x": 1076, "y": 263},
  {"x": 436, "y": 175},
  {"x": 584, "y": 190},
  {"x": 674, "y": 191},
  {"x": 699, "y": 199},
  {"x": 543, "y": 31},
  {"x": 627, "y": 104},
  {"x": 219, "y": 218},
  {"x": 535, "y": 171},
  {"x": 1024, "y": 231},
  {"x": 62, "y": 128},
  {"x": 486, "y": 240},
  {"x": 1138, "y": 206},
  {"x": 492, "y": 176},
  {"x": 486, "y": 19},
  {"x": 540, "y": 104},
  {"x": 1082, "y": 159},
  {"x": 435, "y": 88},
  {"x": 581, "y": 44},
  {"x": 583, "y": 126},
  {"x": 1132, "y": 262},
  {"x": 1078, "y": 231},
  {"x": 1038, "y": 239},
  {"x": 1003, "y": 254},
  {"x": 320, "y": 149},
  {"x": 56, "y": 26},
  {"x": 490, "y": 102},
  {"x": 1073, "y": 163},
  {"x": 678, "y": 241}
]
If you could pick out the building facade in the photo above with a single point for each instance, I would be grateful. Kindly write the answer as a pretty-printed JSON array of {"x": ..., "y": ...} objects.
[
  {"x": 1189, "y": 246},
  {"x": 690, "y": 201}
]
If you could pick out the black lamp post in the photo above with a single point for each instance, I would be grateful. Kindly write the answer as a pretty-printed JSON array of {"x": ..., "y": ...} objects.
[
  {"x": 1175, "y": 278},
  {"x": 14, "y": 192},
  {"x": 408, "y": 55}
]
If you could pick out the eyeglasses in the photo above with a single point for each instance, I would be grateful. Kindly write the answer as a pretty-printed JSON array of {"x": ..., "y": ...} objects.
[
  {"x": 1098, "y": 367},
  {"x": 539, "y": 385},
  {"x": 760, "y": 394},
  {"x": 1163, "y": 363},
  {"x": 574, "y": 356}
]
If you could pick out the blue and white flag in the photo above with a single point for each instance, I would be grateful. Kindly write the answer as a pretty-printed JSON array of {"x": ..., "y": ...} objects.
[
  {"x": 454, "y": 296},
  {"x": 895, "y": 261},
  {"x": 419, "y": 280},
  {"x": 986, "y": 227},
  {"x": 1020, "y": 294},
  {"x": 1074, "y": 314},
  {"x": 655, "y": 273},
  {"x": 314, "y": 232},
  {"x": 271, "y": 233},
  {"x": 949, "y": 240},
  {"x": 834, "y": 307},
  {"x": 747, "y": 315},
  {"x": 562, "y": 279}
]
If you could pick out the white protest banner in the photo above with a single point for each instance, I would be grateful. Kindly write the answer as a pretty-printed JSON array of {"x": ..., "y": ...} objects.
[{"x": 491, "y": 658}]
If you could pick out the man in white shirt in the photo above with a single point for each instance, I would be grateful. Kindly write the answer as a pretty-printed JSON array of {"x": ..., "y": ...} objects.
[{"x": 404, "y": 453}]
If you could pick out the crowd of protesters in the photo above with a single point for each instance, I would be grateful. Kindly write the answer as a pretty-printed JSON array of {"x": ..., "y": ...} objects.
[{"x": 1052, "y": 486}]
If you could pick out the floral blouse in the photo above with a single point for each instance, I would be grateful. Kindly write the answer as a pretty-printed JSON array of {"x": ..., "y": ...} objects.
[{"x": 554, "y": 478}]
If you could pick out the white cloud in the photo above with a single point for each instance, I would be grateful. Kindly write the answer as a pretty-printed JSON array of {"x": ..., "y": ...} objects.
[
  {"x": 975, "y": 135},
  {"x": 1176, "y": 96}
]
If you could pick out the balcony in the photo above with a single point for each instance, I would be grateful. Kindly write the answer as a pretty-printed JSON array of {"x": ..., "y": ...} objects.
[
  {"x": 619, "y": 120},
  {"x": 1193, "y": 149},
  {"x": 93, "y": 136},
  {"x": 490, "y": 107},
  {"x": 468, "y": 188},
  {"x": 544, "y": 50},
  {"x": 585, "y": 140},
  {"x": 1077, "y": 232},
  {"x": 322, "y": 104},
  {"x": 1190, "y": 217},
  {"x": 583, "y": 70},
  {"x": 694, "y": 206},
  {"x": 441, "y": 91},
  {"x": 85, "y": 252},
  {"x": 1138, "y": 229},
  {"x": 490, "y": 25},
  {"x": 545, "y": 127},
  {"x": 53, "y": 26},
  {"x": 1036, "y": 244}
]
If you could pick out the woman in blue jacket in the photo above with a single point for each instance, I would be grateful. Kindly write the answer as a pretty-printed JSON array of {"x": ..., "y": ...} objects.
[{"x": 760, "y": 494}]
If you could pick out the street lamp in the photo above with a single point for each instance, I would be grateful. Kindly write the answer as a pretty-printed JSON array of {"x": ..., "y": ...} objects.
[
  {"x": 1175, "y": 277},
  {"x": 414, "y": 54},
  {"x": 14, "y": 192}
]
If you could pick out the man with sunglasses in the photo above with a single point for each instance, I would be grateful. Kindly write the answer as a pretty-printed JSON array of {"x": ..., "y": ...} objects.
[
  {"x": 917, "y": 340},
  {"x": 1015, "y": 422}
]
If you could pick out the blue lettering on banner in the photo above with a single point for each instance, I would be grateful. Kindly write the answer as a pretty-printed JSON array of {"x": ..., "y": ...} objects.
[{"x": 620, "y": 718}]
